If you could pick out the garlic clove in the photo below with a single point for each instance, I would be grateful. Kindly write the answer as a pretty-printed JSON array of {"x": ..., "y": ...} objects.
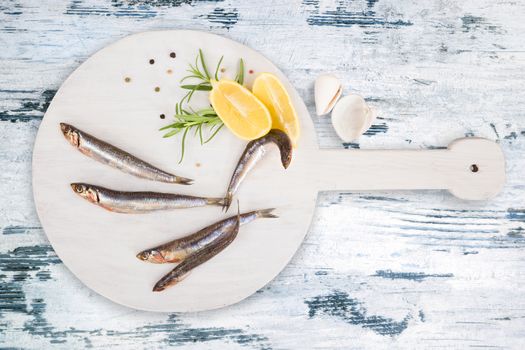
[
  {"x": 351, "y": 117},
  {"x": 327, "y": 91}
]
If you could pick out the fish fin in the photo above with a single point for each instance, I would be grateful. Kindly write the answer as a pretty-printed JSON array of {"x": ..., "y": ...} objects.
[
  {"x": 183, "y": 180},
  {"x": 227, "y": 201},
  {"x": 266, "y": 213}
]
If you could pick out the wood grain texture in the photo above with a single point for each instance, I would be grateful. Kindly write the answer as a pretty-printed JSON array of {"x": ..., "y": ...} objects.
[
  {"x": 378, "y": 269},
  {"x": 96, "y": 98}
]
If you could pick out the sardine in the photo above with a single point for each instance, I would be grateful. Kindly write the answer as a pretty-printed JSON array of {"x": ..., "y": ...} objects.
[
  {"x": 255, "y": 151},
  {"x": 117, "y": 158},
  {"x": 179, "y": 249},
  {"x": 198, "y": 258},
  {"x": 139, "y": 202}
]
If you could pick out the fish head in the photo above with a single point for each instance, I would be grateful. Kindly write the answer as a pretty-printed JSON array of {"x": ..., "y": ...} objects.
[
  {"x": 71, "y": 134},
  {"x": 169, "y": 280},
  {"x": 152, "y": 256},
  {"x": 162, "y": 284},
  {"x": 85, "y": 191},
  {"x": 286, "y": 156},
  {"x": 284, "y": 144}
]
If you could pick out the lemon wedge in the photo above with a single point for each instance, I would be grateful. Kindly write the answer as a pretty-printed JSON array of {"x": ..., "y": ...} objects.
[
  {"x": 239, "y": 109},
  {"x": 269, "y": 89}
]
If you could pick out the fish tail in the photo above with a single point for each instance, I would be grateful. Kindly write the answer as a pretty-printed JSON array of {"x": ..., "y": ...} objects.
[
  {"x": 183, "y": 180},
  {"x": 227, "y": 201},
  {"x": 266, "y": 213},
  {"x": 216, "y": 201}
]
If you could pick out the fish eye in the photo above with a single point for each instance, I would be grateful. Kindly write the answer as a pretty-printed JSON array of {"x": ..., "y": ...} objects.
[
  {"x": 144, "y": 255},
  {"x": 78, "y": 189}
]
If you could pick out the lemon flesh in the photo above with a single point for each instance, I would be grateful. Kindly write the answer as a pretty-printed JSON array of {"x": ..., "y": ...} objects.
[
  {"x": 269, "y": 89},
  {"x": 239, "y": 109}
]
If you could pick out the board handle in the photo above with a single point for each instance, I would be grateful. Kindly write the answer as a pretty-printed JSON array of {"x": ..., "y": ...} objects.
[{"x": 470, "y": 168}]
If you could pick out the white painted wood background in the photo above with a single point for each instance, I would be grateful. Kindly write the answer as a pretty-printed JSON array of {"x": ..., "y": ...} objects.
[{"x": 377, "y": 270}]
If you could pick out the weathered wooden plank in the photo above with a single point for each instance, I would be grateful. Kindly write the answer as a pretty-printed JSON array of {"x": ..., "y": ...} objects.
[{"x": 379, "y": 270}]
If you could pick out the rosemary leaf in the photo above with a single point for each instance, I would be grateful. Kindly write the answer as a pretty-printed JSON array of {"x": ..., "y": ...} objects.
[
  {"x": 198, "y": 87},
  {"x": 200, "y": 132},
  {"x": 183, "y": 144},
  {"x": 183, "y": 99},
  {"x": 189, "y": 77},
  {"x": 214, "y": 133},
  {"x": 207, "y": 111},
  {"x": 203, "y": 64},
  {"x": 196, "y": 72},
  {"x": 174, "y": 125},
  {"x": 171, "y": 133},
  {"x": 240, "y": 73},
  {"x": 217, "y": 68},
  {"x": 190, "y": 95}
]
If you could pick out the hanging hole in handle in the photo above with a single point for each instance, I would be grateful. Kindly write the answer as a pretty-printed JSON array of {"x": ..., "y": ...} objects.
[{"x": 474, "y": 168}]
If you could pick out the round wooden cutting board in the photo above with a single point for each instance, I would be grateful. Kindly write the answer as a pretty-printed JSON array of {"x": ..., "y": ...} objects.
[{"x": 119, "y": 94}]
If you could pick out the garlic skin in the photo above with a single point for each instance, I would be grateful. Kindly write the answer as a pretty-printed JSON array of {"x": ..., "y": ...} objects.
[
  {"x": 352, "y": 117},
  {"x": 327, "y": 91}
]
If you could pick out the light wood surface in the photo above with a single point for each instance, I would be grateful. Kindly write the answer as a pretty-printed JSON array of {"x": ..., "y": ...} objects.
[
  {"x": 381, "y": 270},
  {"x": 96, "y": 99},
  {"x": 470, "y": 168}
]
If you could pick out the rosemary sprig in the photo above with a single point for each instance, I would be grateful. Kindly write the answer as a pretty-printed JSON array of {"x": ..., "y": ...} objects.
[
  {"x": 199, "y": 71},
  {"x": 188, "y": 119}
]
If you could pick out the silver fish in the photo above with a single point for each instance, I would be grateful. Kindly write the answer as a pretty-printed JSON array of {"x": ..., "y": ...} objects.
[
  {"x": 179, "y": 249},
  {"x": 199, "y": 257},
  {"x": 117, "y": 158},
  {"x": 139, "y": 202},
  {"x": 255, "y": 151}
]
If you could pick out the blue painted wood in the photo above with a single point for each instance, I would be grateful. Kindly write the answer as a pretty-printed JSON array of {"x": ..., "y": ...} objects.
[{"x": 377, "y": 270}]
